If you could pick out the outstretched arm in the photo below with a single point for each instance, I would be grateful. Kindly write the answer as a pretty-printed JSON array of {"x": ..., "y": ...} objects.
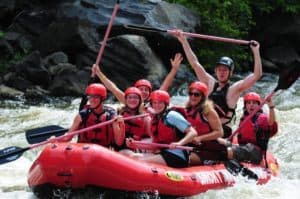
[
  {"x": 109, "y": 84},
  {"x": 202, "y": 75},
  {"x": 175, "y": 65},
  {"x": 257, "y": 73}
]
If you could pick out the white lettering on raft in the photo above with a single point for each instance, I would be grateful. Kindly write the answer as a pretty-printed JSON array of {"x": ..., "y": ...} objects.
[
  {"x": 224, "y": 176},
  {"x": 215, "y": 177}
]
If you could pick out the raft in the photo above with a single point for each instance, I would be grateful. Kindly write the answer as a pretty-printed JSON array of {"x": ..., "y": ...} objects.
[{"x": 78, "y": 165}]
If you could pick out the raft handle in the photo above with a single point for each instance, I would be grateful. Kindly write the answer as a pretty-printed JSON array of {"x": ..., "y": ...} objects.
[
  {"x": 154, "y": 170},
  {"x": 64, "y": 174}
]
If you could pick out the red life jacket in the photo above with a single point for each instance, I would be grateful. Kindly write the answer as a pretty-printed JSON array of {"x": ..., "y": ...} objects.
[
  {"x": 257, "y": 130},
  {"x": 162, "y": 132},
  {"x": 102, "y": 135},
  {"x": 134, "y": 128},
  {"x": 198, "y": 121}
]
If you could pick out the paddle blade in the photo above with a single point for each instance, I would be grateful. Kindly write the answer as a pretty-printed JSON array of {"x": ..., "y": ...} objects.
[
  {"x": 10, "y": 154},
  {"x": 44, "y": 133},
  {"x": 288, "y": 76},
  {"x": 235, "y": 168},
  {"x": 144, "y": 28}
]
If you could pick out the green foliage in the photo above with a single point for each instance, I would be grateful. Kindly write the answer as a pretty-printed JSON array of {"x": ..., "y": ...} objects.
[
  {"x": 1, "y": 34},
  {"x": 5, "y": 63},
  {"x": 231, "y": 19}
]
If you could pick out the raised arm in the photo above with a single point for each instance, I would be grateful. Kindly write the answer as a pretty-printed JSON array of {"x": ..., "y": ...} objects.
[
  {"x": 169, "y": 78},
  {"x": 201, "y": 73},
  {"x": 109, "y": 84},
  {"x": 272, "y": 117},
  {"x": 250, "y": 80}
]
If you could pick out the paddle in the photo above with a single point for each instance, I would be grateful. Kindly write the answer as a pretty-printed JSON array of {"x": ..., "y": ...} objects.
[
  {"x": 40, "y": 134},
  {"x": 201, "y": 36},
  {"x": 286, "y": 78},
  {"x": 234, "y": 167},
  {"x": 103, "y": 44},
  {"x": 12, "y": 153},
  {"x": 146, "y": 145}
]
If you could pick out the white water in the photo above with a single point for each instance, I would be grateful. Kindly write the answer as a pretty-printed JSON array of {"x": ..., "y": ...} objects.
[{"x": 16, "y": 118}]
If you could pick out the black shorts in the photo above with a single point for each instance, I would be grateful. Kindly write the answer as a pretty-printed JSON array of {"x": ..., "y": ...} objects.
[
  {"x": 211, "y": 150},
  {"x": 247, "y": 153},
  {"x": 176, "y": 158},
  {"x": 227, "y": 131}
]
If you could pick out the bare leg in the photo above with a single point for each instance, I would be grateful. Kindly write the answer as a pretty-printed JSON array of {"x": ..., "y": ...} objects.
[
  {"x": 195, "y": 160},
  {"x": 153, "y": 158}
]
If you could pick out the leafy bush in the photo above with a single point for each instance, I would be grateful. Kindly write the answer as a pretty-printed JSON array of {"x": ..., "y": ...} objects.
[
  {"x": 1, "y": 34},
  {"x": 232, "y": 19}
]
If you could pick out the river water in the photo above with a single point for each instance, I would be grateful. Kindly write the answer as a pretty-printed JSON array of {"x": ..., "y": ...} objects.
[{"x": 16, "y": 117}]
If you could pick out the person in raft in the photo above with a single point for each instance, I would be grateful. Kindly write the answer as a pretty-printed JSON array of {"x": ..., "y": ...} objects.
[
  {"x": 203, "y": 117},
  {"x": 168, "y": 127},
  {"x": 254, "y": 135},
  {"x": 144, "y": 85},
  {"x": 94, "y": 113},
  {"x": 138, "y": 128},
  {"x": 222, "y": 92}
]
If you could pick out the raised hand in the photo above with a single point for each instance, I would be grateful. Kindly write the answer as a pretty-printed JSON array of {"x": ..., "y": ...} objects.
[
  {"x": 176, "y": 61},
  {"x": 254, "y": 45}
]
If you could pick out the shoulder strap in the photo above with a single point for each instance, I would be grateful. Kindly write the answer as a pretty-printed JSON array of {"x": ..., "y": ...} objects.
[
  {"x": 111, "y": 112},
  {"x": 84, "y": 114}
]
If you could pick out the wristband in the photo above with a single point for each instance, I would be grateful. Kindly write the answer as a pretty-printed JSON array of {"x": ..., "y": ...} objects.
[{"x": 271, "y": 107}]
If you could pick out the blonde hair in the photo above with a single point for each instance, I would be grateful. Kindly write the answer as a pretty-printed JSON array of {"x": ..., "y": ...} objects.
[{"x": 205, "y": 104}]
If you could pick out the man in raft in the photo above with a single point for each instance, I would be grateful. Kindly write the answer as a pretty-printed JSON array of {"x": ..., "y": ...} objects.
[
  {"x": 224, "y": 94},
  {"x": 94, "y": 113}
]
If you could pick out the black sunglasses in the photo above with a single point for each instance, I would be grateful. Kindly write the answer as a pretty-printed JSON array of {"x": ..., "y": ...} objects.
[{"x": 195, "y": 94}]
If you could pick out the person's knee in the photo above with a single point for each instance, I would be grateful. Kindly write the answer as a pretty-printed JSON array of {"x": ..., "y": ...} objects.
[{"x": 247, "y": 153}]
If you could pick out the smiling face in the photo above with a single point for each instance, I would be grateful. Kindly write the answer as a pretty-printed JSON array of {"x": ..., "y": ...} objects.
[
  {"x": 194, "y": 97},
  {"x": 251, "y": 105},
  {"x": 133, "y": 101},
  {"x": 158, "y": 106},
  {"x": 145, "y": 92},
  {"x": 222, "y": 73},
  {"x": 95, "y": 101}
]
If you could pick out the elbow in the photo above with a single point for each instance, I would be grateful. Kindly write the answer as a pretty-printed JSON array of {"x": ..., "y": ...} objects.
[
  {"x": 220, "y": 133},
  {"x": 194, "y": 133}
]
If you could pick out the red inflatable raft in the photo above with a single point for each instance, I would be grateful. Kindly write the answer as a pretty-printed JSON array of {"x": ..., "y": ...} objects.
[{"x": 76, "y": 166}]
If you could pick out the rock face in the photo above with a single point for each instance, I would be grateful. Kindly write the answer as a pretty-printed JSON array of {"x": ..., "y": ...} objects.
[
  {"x": 76, "y": 29},
  {"x": 279, "y": 36},
  {"x": 64, "y": 38}
]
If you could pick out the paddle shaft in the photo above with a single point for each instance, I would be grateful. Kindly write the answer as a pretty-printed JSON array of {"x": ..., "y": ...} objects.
[
  {"x": 73, "y": 133},
  {"x": 107, "y": 33},
  {"x": 196, "y": 35},
  {"x": 251, "y": 115},
  {"x": 141, "y": 143},
  {"x": 12, "y": 153},
  {"x": 213, "y": 38}
]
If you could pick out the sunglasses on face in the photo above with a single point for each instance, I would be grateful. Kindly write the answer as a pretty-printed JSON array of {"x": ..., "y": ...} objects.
[{"x": 194, "y": 94}]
